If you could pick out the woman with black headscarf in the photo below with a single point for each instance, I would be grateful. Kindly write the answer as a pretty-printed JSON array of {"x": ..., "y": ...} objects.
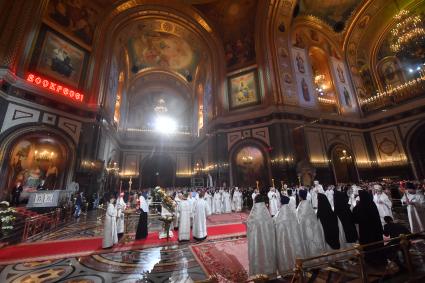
[
  {"x": 366, "y": 214},
  {"x": 348, "y": 233},
  {"x": 329, "y": 221}
]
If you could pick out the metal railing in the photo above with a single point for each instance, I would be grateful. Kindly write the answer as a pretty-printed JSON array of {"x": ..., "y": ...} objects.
[
  {"x": 36, "y": 225},
  {"x": 357, "y": 251}
]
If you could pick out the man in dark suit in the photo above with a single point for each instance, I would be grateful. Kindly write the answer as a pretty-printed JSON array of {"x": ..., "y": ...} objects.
[{"x": 16, "y": 193}]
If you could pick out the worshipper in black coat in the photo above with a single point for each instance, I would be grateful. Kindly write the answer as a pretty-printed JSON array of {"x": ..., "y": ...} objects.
[
  {"x": 343, "y": 212},
  {"x": 366, "y": 215},
  {"x": 142, "y": 226},
  {"x": 329, "y": 221},
  {"x": 394, "y": 230}
]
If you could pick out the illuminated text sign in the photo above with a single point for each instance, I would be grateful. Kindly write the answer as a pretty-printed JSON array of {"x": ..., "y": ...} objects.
[{"x": 55, "y": 87}]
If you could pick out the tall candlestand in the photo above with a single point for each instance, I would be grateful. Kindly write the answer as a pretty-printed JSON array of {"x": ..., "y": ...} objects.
[
  {"x": 129, "y": 184},
  {"x": 272, "y": 183},
  {"x": 258, "y": 183}
]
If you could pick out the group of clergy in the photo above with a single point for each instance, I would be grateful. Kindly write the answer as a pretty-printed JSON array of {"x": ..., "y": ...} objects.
[
  {"x": 114, "y": 221},
  {"x": 192, "y": 211},
  {"x": 324, "y": 221},
  {"x": 217, "y": 200}
]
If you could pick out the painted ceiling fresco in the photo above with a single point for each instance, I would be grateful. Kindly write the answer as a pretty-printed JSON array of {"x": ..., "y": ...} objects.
[
  {"x": 161, "y": 44},
  {"x": 235, "y": 21},
  {"x": 332, "y": 12}
]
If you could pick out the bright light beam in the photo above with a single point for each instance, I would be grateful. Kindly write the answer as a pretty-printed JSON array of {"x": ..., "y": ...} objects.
[{"x": 165, "y": 125}]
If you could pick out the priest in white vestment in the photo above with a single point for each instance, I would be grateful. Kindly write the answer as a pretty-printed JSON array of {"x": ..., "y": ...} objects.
[
  {"x": 237, "y": 200},
  {"x": 261, "y": 240},
  {"x": 227, "y": 204},
  {"x": 177, "y": 199},
  {"x": 415, "y": 203},
  {"x": 255, "y": 194},
  {"x": 383, "y": 203},
  {"x": 208, "y": 199},
  {"x": 110, "y": 236},
  {"x": 288, "y": 238},
  {"x": 200, "y": 214},
  {"x": 330, "y": 195},
  {"x": 217, "y": 202},
  {"x": 274, "y": 201},
  {"x": 184, "y": 214},
  {"x": 292, "y": 200},
  {"x": 311, "y": 230},
  {"x": 120, "y": 206}
]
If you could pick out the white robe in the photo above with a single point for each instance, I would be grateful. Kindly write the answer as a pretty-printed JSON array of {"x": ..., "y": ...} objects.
[
  {"x": 415, "y": 211},
  {"x": 311, "y": 230},
  {"x": 237, "y": 201},
  {"x": 289, "y": 245},
  {"x": 120, "y": 206},
  {"x": 293, "y": 203},
  {"x": 274, "y": 201},
  {"x": 384, "y": 206},
  {"x": 330, "y": 195},
  {"x": 208, "y": 199},
  {"x": 217, "y": 203},
  {"x": 200, "y": 213},
  {"x": 176, "y": 221},
  {"x": 253, "y": 196},
  {"x": 227, "y": 204},
  {"x": 110, "y": 236},
  {"x": 261, "y": 241},
  {"x": 184, "y": 213}
]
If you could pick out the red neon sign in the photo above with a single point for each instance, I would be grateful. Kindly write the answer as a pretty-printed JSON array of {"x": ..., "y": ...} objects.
[{"x": 55, "y": 87}]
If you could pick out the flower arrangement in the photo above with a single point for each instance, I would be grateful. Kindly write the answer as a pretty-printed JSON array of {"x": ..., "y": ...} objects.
[
  {"x": 168, "y": 203},
  {"x": 165, "y": 199},
  {"x": 6, "y": 217}
]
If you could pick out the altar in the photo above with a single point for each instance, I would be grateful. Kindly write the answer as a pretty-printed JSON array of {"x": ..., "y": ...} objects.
[{"x": 52, "y": 198}]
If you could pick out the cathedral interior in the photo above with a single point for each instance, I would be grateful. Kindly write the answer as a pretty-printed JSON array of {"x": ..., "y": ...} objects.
[{"x": 135, "y": 94}]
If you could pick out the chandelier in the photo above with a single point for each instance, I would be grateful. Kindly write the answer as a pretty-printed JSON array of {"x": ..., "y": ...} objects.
[
  {"x": 409, "y": 29},
  {"x": 160, "y": 107}
]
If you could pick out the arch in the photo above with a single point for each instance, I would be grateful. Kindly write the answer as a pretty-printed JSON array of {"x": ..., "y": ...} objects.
[
  {"x": 415, "y": 149},
  {"x": 11, "y": 138},
  {"x": 343, "y": 164},
  {"x": 255, "y": 143},
  {"x": 128, "y": 12},
  {"x": 161, "y": 173}
]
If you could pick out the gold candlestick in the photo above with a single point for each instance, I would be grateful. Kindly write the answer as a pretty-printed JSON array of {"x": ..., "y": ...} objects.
[
  {"x": 273, "y": 183},
  {"x": 281, "y": 184},
  {"x": 258, "y": 187}
]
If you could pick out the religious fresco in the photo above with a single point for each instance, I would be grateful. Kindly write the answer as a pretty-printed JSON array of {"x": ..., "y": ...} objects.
[
  {"x": 250, "y": 167},
  {"x": 235, "y": 22},
  {"x": 306, "y": 94},
  {"x": 333, "y": 12},
  {"x": 76, "y": 18},
  {"x": 153, "y": 46},
  {"x": 390, "y": 72},
  {"x": 243, "y": 89},
  {"x": 36, "y": 160},
  {"x": 59, "y": 59},
  {"x": 346, "y": 96}
]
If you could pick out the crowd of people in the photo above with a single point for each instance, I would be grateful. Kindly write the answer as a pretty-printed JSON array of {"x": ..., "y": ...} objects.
[
  {"x": 287, "y": 223},
  {"x": 326, "y": 220}
]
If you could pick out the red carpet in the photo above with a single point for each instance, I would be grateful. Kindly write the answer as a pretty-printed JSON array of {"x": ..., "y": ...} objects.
[
  {"x": 82, "y": 247},
  {"x": 226, "y": 260},
  {"x": 227, "y": 218}
]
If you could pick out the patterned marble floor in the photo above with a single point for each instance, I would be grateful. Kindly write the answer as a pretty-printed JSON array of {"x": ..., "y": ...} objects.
[
  {"x": 159, "y": 264},
  {"x": 174, "y": 263}
]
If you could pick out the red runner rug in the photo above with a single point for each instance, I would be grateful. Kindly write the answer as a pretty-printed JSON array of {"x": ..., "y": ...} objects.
[
  {"x": 227, "y": 261},
  {"x": 87, "y": 246},
  {"x": 227, "y": 218}
]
